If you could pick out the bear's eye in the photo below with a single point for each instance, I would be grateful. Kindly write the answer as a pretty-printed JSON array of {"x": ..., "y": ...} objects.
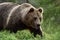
[{"x": 35, "y": 18}]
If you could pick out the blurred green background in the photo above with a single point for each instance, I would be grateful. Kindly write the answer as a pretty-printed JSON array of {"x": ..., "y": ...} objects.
[{"x": 50, "y": 25}]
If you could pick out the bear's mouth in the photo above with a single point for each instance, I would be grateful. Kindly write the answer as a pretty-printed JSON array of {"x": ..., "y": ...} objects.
[
  {"x": 37, "y": 27},
  {"x": 34, "y": 27}
]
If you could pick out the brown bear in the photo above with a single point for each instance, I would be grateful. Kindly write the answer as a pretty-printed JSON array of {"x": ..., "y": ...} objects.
[{"x": 16, "y": 17}]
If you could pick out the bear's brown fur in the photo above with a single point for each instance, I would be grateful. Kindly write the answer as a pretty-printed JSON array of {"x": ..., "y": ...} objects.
[{"x": 15, "y": 17}]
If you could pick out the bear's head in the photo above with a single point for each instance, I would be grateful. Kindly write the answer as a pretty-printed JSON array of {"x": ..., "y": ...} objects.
[{"x": 32, "y": 17}]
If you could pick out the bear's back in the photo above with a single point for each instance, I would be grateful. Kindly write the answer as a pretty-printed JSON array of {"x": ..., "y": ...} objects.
[{"x": 5, "y": 9}]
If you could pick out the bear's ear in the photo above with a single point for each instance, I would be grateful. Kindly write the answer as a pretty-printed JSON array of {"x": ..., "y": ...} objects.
[
  {"x": 31, "y": 10},
  {"x": 40, "y": 10}
]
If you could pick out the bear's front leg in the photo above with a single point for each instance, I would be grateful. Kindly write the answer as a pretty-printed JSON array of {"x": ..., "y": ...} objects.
[
  {"x": 1, "y": 28},
  {"x": 37, "y": 31}
]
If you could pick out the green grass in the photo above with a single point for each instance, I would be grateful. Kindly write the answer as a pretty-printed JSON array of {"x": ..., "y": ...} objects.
[{"x": 50, "y": 26}]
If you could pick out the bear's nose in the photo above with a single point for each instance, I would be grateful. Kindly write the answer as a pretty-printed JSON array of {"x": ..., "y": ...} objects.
[{"x": 38, "y": 24}]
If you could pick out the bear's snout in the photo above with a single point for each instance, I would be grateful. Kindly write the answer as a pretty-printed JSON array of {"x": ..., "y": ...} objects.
[{"x": 38, "y": 25}]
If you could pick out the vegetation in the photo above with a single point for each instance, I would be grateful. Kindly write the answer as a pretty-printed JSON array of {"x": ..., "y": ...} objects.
[{"x": 50, "y": 26}]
